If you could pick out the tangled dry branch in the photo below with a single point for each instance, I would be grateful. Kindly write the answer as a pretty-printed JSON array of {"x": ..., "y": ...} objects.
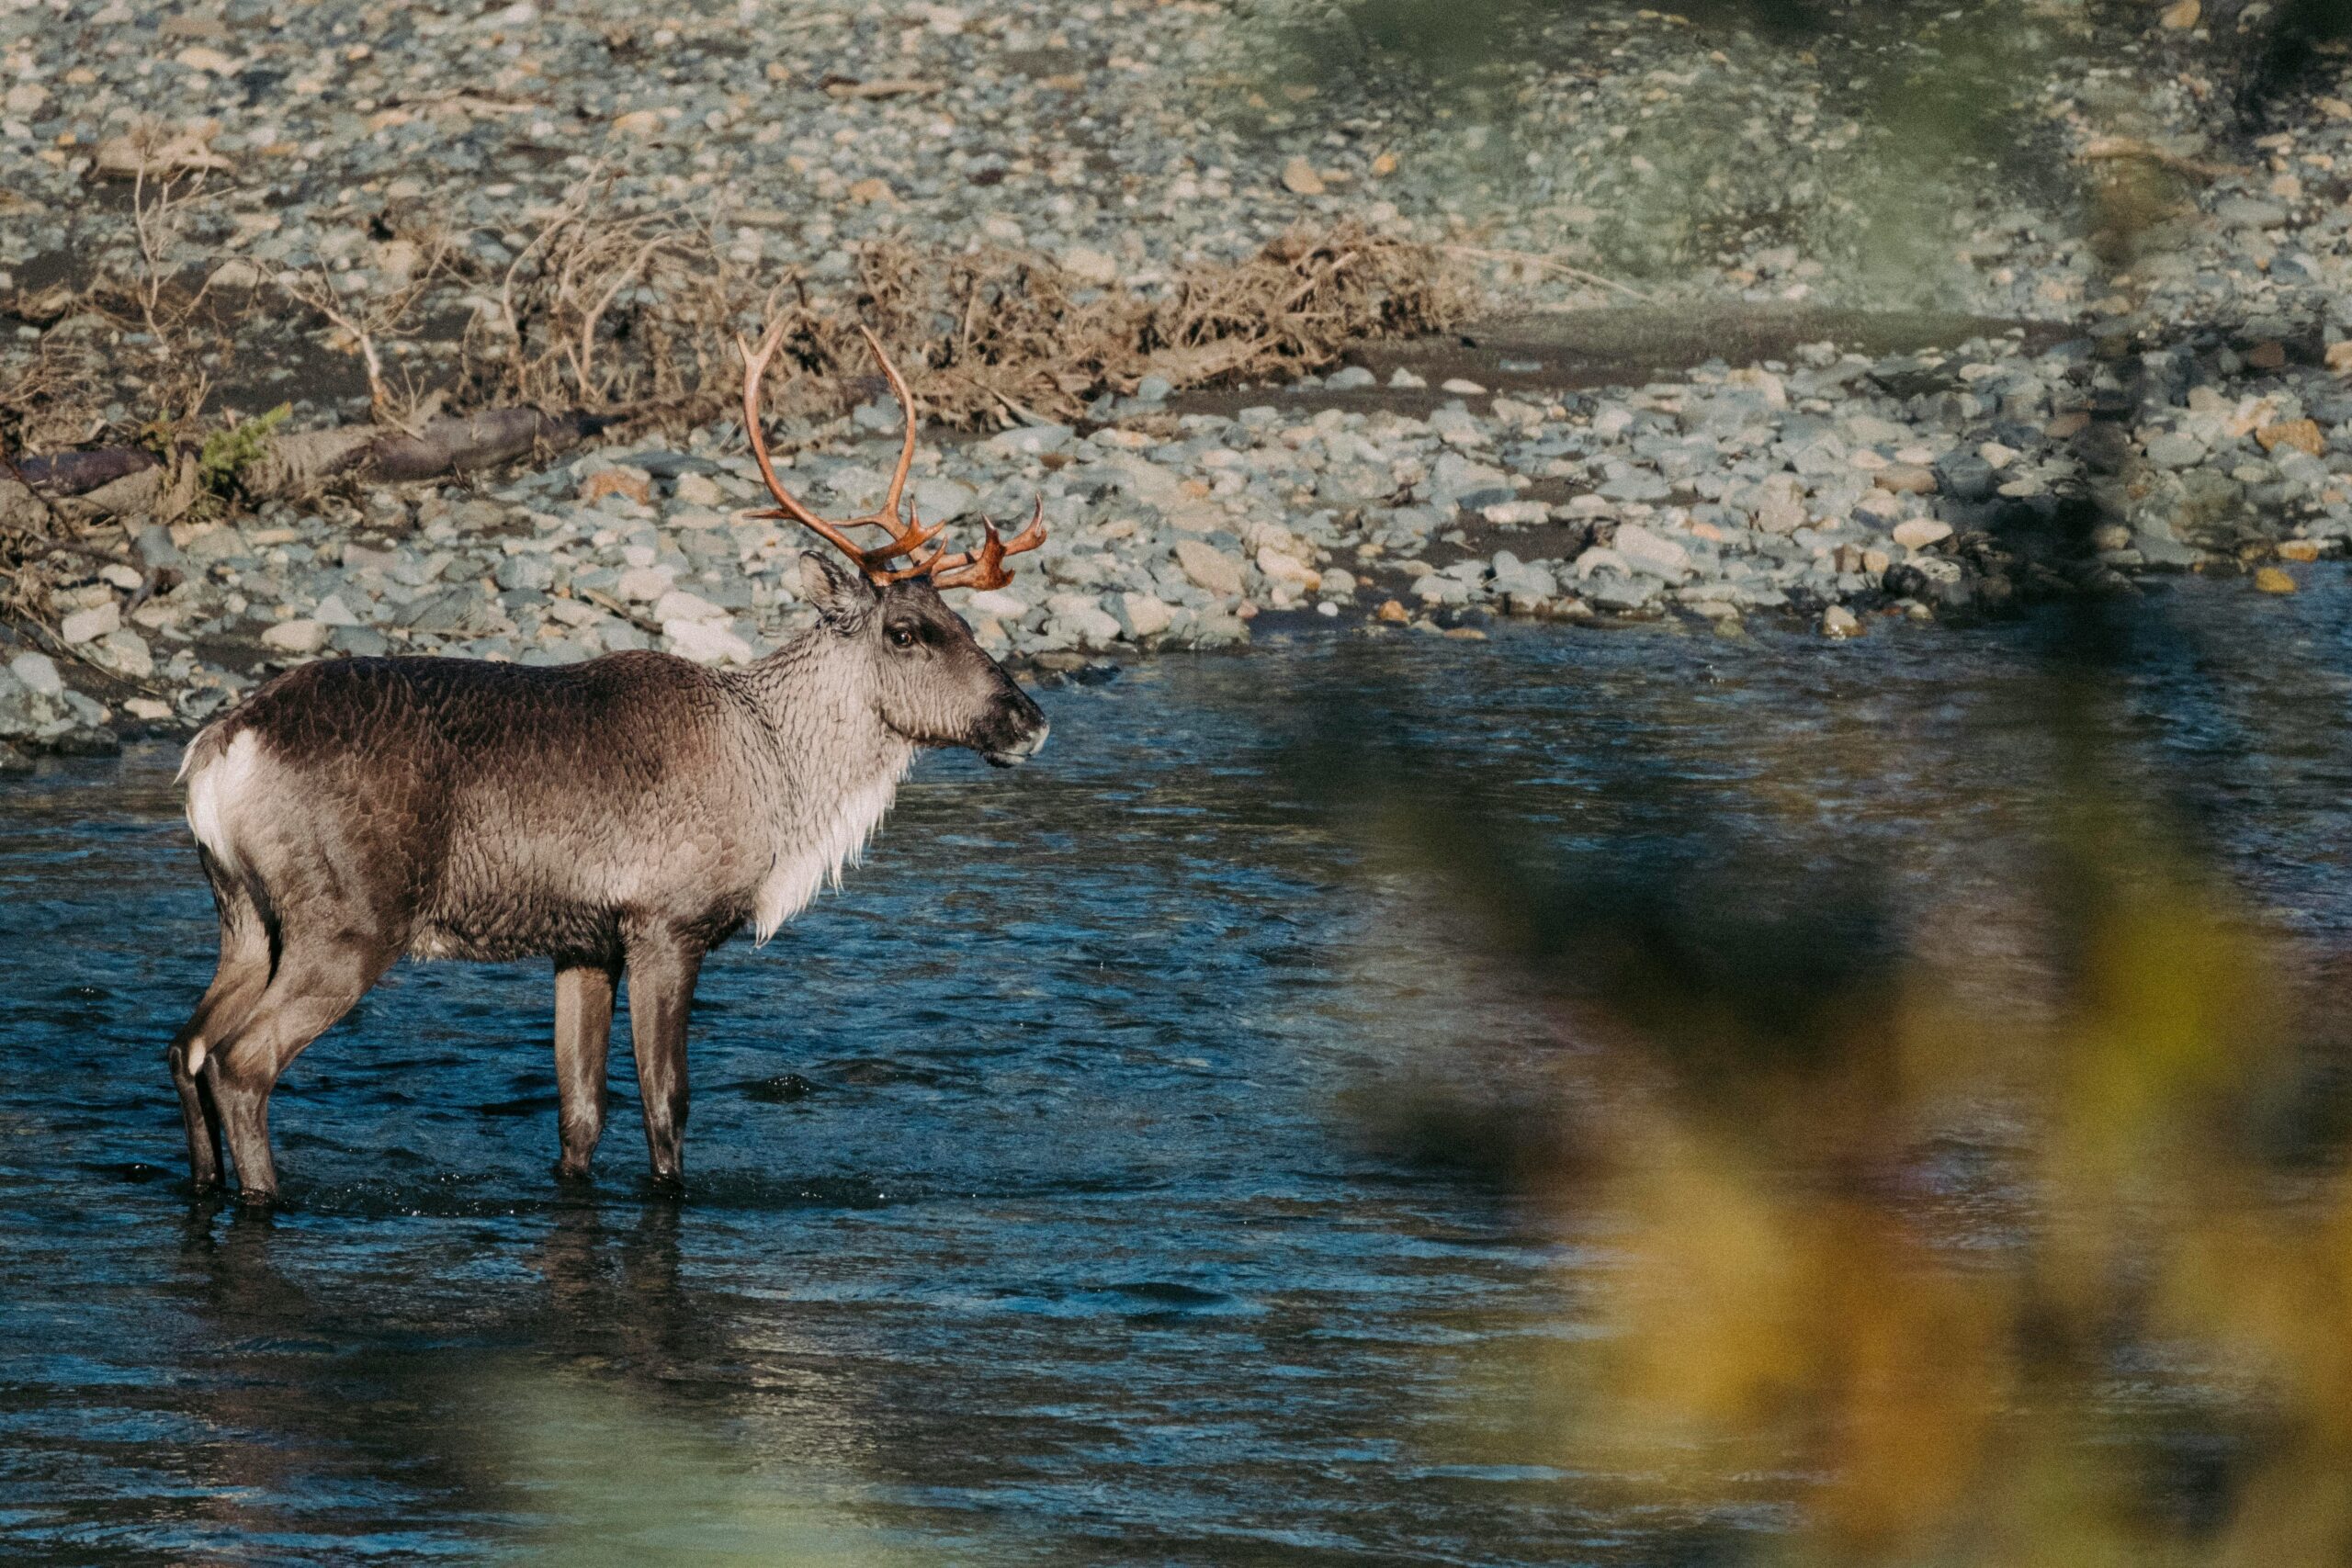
[
  {"x": 599, "y": 321},
  {"x": 598, "y": 316}
]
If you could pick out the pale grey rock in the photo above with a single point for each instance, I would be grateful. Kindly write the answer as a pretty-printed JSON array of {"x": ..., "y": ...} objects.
[
  {"x": 1210, "y": 568},
  {"x": 1145, "y": 616},
  {"x": 528, "y": 571},
  {"x": 700, "y": 491},
  {"x": 1651, "y": 552},
  {"x": 1084, "y": 619},
  {"x": 301, "y": 635},
  {"x": 125, "y": 652},
  {"x": 1437, "y": 587},
  {"x": 941, "y": 499},
  {"x": 645, "y": 583},
  {"x": 706, "y": 642},
  {"x": 361, "y": 642},
  {"x": 677, "y": 605},
  {"x": 37, "y": 673},
  {"x": 90, "y": 625},
  {"x": 1610, "y": 589}
]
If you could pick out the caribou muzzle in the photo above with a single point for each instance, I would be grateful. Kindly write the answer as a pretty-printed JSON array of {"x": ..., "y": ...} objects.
[{"x": 1015, "y": 732}]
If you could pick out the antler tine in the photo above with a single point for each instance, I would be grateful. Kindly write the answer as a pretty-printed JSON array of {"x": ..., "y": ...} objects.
[
  {"x": 986, "y": 570},
  {"x": 903, "y": 542},
  {"x": 906, "y": 403},
  {"x": 1032, "y": 535},
  {"x": 755, "y": 369},
  {"x": 922, "y": 567}
]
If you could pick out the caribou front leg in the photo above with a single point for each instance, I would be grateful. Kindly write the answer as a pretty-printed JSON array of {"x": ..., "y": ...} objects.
[
  {"x": 663, "y": 967},
  {"x": 583, "y": 1036}
]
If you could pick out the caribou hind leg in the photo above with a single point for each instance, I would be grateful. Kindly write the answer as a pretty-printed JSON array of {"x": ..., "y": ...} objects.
[
  {"x": 318, "y": 981},
  {"x": 663, "y": 967},
  {"x": 583, "y": 1037},
  {"x": 238, "y": 982}
]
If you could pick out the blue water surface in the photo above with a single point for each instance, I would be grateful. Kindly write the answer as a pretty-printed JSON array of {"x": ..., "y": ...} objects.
[{"x": 1032, "y": 1213}]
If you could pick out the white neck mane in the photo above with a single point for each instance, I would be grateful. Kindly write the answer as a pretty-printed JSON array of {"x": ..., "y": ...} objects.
[{"x": 819, "y": 843}]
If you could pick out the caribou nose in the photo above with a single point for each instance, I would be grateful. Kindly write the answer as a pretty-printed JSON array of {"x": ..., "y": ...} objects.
[
  {"x": 1024, "y": 746},
  {"x": 1020, "y": 730}
]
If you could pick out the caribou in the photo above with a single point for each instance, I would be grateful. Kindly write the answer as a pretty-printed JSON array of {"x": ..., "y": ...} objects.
[{"x": 619, "y": 816}]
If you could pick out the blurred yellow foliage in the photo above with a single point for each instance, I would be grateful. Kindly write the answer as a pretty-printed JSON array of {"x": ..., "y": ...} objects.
[{"x": 1967, "y": 1272}]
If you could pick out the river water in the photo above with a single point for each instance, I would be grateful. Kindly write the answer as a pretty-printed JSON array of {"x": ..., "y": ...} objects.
[{"x": 1034, "y": 1210}]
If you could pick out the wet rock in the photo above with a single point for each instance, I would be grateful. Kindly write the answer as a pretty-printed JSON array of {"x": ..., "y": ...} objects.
[
  {"x": 1965, "y": 476},
  {"x": 89, "y": 738},
  {"x": 2104, "y": 447}
]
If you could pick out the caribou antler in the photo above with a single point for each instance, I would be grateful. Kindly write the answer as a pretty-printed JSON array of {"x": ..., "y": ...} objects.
[
  {"x": 987, "y": 568},
  {"x": 908, "y": 535}
]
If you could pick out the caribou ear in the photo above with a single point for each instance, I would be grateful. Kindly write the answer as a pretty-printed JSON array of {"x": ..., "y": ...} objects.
[{"x": 843, "y": 598}]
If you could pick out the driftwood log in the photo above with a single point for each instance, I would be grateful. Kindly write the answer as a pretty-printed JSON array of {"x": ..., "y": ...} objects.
[{"x": 121, "y": 480}]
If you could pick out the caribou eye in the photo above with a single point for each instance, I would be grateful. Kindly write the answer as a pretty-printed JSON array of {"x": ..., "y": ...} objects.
[{"x": 902, "y": 637}]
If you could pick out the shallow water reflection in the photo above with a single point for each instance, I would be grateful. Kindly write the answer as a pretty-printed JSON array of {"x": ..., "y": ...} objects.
[{"x": 1078, "y": 1184}]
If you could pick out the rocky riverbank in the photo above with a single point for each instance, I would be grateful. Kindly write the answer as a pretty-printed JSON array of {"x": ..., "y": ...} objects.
[{"x": 2148, "y": 378}]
